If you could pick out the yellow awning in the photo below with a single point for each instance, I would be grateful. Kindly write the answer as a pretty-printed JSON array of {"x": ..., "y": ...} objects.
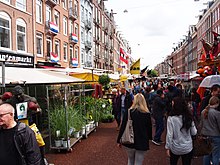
[{"x": 86, "y": 76}]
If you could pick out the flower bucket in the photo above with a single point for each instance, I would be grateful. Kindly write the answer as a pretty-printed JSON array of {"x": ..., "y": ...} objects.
[
  {"x": 65, "y": 143},
  {"x": 58, "y": 143},
  {"x": 87, "y": 127},
  {"x": 83, "y": 131},
  {"x": 76, "y": 134}
]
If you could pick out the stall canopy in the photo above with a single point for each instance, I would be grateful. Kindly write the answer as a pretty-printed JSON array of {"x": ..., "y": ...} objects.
[{"x": 35, "y": 76}]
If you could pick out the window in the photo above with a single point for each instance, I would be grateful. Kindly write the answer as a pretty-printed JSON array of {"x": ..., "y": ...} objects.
[
  {"x": 76, "y": 30},
  {"x": 57, "y": 48},
  {"x": 39, "y": 44},
  {"x": 86, "y": 14},
  {"x": 49, "y": 46},
  {"x": 48, "y": 13},
  {"x": 76, "y": 7},
  {"x": 6, "y": 1},
  {"x": 21, "y": 4},
  {"x": 70, "y": 4},
  {"x": 57, "y": 18},
  {"x": 5, "y": 30},
  {"x": 21, "y": 35},
  {"x": 82, "y": 57},
  {"x": 39, "y": 11},
  {"x": 76, "y": 53},
  {"x": 71, "y": 27},
  {"x": 65, "y": 51},
  {"x": 64, "y": 25},
  {"x": 82, "y": 13},
  {"x": 71, "y": 52},
  {"x": 64, "y": 4},
  {"x": 82, "y": 34}
]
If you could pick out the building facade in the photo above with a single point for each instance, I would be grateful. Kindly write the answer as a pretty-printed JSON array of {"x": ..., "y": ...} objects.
[
  {"x": 16, "y": 33},
  {"x": 86, "y": 40}
]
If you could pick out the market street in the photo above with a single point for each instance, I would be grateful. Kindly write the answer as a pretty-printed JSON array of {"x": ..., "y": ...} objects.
[{"x": 100, "y": 148}]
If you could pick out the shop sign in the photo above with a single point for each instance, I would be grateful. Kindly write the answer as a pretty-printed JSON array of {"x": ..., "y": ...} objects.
[{"x": 17, "y": 60}]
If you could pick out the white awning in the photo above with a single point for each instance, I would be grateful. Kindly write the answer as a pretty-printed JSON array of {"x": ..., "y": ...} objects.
[{"x": 35, "y": 76}]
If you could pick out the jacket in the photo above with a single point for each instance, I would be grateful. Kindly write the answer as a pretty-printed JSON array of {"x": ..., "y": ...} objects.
[
  {"x": 127, "y": 101},
  {"x": 142, "y": 127},
  {"x": 26, "y": 144},
  {"x": 211, "y": 125},
  {"x": 158, "y": 107}
]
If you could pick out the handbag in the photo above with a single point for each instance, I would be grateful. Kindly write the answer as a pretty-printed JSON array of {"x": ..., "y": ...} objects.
[
  {"x": 128, "y": 135},
  {"x": 202, "y": 145}
]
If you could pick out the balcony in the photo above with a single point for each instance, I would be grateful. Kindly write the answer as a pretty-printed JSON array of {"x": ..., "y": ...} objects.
[
  {"x": 97, "y": 40},
  {"x": 88, "y": 24},
  {"x": 111, "y": 48},
  {"x": 106, "y": 28},
  {"x": 54, "y": 57},
  {"x": 52, "y": 28},
  {"x": 73, "y": 14},
  {"x": 73, "y": 38},
  {"x": 107, "y": 45},
  {"x": 52, "y": 3},
  {"x": 88, "y": 45}
]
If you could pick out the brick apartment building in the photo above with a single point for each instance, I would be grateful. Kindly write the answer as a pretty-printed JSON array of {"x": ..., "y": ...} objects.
[
  {"x": 48, "y": 33},
  {"x": 186, "y": 54}
]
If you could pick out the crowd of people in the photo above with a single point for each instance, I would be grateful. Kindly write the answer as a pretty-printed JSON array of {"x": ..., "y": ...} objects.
[{"x": 162, "y": 104}]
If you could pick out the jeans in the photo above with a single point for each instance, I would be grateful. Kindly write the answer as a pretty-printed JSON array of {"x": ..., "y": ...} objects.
[
  {"x": 120, "y": 115},
  {"x": 195, "y": 107},
  {"x": 159, "y": 128},
  {"x": 215, "y": 155},
  {"x": 135, "y": 157},
  {"x": 186, "y": 158}
]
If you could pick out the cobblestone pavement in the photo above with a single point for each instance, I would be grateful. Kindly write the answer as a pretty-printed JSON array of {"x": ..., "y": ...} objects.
[{"x": 100, "y": 148}]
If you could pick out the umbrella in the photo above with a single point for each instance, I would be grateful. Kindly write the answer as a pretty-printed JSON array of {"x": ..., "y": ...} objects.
[{"x": 209, "y": 81}]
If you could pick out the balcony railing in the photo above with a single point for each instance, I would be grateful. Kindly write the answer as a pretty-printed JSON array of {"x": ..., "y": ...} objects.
[
  {"x": 52, "y": 28},
  {"x": 52, "y": 2},
  {"x": 73, "y": 14},
  {"x": 73, "y": 38},
  {"x": 88, "y": 45},
  {"x": 88, "y": 24}
]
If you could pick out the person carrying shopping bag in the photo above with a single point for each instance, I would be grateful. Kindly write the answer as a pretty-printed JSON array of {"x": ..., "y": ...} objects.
[{"x": 142, "y": 129}]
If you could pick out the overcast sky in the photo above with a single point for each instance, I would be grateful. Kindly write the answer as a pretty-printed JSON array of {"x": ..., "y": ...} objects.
[{"x": 152, "y": 26}]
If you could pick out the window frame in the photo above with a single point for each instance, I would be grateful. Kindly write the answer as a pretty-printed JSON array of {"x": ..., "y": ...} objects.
[
  {"x": 39, "y": 4},
  {"x": 48, "y": 10},
  {"x": 5, "y": 16},
  {"x": 57, "y": 42},
  {"x": 21, "y": 22},
  {"x": 40, "y": 35},
  {"x": 48, "y": 39},
  {"x": 57, "y": 19},
  {"x": 65, "y": 52},
  {"x": 65, "y": 25},
  {"x": 24, "y": 4}
]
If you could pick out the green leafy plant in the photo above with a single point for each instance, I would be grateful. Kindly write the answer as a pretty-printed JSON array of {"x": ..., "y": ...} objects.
[{"x": 104, "y": 80}]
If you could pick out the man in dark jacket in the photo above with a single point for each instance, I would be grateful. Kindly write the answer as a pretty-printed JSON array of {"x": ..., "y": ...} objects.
[
  {"x": 158, "y": 115},
  {"x": 124, "y": 103},
  {"x": 215, "y": 91},
  {"x": 18, "y": 141}
]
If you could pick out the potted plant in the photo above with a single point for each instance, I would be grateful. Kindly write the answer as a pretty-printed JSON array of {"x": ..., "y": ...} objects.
[{"x": 104, "y": 80}]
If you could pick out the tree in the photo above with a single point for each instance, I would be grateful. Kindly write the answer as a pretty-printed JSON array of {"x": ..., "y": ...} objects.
[{"x": 152, "y": 73}]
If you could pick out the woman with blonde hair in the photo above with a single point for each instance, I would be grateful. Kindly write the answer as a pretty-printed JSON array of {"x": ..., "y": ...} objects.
[
  {"x": 210, "y": 127},
  {"x": 140, "y": 115}
]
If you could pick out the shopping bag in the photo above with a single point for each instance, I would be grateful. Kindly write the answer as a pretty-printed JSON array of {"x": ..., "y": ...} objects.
[
  {"x": 202, "y": 145},
  {"x": 128, "y": 135},
  {"x": 39, "y": 138}
]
